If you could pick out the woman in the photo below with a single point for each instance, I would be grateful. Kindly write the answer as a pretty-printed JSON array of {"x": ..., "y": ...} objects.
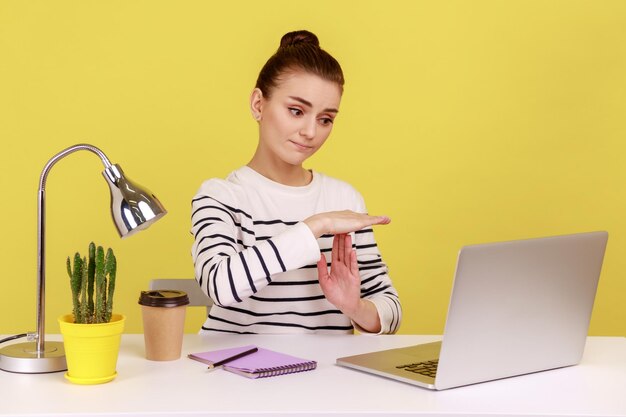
[{"x": 265, "y": 235}]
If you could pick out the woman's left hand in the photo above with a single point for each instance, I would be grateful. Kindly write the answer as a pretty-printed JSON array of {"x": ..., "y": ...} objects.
[{"x": 342, "y": 285}]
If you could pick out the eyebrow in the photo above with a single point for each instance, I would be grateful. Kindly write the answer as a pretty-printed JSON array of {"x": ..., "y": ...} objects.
[{"x": 309, "y": 104}]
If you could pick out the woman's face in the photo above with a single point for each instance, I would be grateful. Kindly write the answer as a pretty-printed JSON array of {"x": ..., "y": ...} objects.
[{"x": 298, "y": 117}]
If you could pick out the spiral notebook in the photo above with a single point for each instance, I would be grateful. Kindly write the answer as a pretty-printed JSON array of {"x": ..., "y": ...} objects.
[{"x": 261, "y": 364}]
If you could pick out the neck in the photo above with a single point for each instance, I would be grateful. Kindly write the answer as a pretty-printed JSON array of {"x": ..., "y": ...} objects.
[{"x": 282, "y": 173}]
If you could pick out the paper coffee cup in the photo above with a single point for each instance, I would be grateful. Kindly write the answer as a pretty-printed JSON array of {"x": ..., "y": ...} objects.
[{"x": 163, "y": 313}]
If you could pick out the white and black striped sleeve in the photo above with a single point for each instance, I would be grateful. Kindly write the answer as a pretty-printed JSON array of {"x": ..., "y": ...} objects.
[{"x": 230, "y": 270}]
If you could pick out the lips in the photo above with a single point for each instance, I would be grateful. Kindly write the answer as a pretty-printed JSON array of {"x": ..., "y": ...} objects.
[{"x": 301, "y": 147}]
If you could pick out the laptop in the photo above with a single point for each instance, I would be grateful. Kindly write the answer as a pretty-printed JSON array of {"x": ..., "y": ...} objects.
[{"x": 516, "y": 307}]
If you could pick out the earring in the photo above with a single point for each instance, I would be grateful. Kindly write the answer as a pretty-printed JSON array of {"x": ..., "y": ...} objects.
[{"x": 257, "y": 117}]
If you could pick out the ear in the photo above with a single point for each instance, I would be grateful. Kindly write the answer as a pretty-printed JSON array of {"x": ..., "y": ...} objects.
[{"x": 256, "y": 103}]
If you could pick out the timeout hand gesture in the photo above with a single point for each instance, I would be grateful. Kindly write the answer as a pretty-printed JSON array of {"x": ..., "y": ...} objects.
[{"x": 342, "y": 285}]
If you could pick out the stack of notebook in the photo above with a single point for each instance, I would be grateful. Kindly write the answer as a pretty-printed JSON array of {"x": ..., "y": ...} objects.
[{"x": 260, "y": 364}]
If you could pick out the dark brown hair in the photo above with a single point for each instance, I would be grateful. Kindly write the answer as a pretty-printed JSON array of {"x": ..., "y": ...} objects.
[{"x": 299, "y": 50}]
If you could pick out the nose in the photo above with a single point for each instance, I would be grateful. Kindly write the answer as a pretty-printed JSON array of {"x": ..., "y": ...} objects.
[{"x": 309, "y": 128}]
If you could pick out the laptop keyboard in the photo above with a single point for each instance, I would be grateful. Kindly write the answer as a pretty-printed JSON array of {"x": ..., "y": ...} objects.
[{"x": 427, "y": 368}]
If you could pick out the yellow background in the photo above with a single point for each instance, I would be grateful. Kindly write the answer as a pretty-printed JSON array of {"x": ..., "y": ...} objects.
[{"x": 465, "y": 121}]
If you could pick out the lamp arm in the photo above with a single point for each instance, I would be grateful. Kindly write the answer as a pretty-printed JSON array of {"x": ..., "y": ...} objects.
[
  {"x": 41, "y": 226},
  {"x": 66, "y": 152}
]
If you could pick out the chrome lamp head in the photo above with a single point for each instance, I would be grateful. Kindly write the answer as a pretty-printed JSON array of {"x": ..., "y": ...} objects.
[{"x": 133, "y": 208}]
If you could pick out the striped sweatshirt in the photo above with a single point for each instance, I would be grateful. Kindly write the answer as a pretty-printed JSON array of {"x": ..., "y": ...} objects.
[{"x": 256, "y": 259}]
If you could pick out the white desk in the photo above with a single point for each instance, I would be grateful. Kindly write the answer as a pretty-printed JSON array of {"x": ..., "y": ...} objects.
[{"x": 596, "y": 387}]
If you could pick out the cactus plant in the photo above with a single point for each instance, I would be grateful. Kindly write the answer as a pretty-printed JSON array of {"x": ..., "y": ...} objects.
[{"x": 92, "y": 281}]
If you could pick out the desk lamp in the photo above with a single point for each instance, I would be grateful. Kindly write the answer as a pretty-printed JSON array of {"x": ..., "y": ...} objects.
[{"x": 133, "y": 208}]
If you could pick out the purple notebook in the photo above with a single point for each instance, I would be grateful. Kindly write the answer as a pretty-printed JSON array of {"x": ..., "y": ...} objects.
[{"x": 260, "y": 364}]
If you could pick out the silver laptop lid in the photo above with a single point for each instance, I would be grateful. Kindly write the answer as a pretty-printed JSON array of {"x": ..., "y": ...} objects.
[{"x": 519, "y": 307}]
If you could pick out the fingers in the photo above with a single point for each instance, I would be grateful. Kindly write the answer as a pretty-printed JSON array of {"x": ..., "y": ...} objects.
[
  {"x": 349, "y": 221},
  {"x": 322, "y": 269},
  {"x": 342, "y": 249},
  {"x": 370, "y": 220},
  {"x": 335, "y": 250},
  {"x": 346, "y": 221},
  {"x": 354, "y": 266},
  {"x": 381, "y": 220},
  {"x": 347, "y": 249}
]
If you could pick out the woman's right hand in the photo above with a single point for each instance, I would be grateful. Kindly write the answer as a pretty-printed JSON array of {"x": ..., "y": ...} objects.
[{"x": 341, "y": 222}]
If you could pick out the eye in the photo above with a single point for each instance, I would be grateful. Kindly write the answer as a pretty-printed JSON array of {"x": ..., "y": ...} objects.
[
  {"x": 326, "y": 121},
  {"x": 295, "y": 111}
]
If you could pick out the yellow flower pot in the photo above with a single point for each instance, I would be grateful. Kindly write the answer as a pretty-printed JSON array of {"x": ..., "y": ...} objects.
[{"x": 91, "y": 349}]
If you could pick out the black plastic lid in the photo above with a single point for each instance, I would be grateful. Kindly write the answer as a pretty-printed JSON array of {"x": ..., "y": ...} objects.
[{"x": 163, "y": 298}]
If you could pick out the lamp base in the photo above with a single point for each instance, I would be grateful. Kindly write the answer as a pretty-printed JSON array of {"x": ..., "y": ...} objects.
[{"x": 23, "y": 358}]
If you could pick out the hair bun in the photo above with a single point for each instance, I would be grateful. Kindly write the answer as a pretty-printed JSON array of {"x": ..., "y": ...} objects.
[{"x": 299, "y": 37}]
